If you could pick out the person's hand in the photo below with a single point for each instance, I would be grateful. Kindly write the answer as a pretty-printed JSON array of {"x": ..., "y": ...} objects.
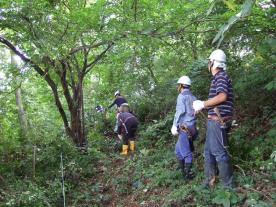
[
  {"x": 120, "y": 136},
  {"x": 174, "y": 130},
  {"x": 198, "y": 105}
]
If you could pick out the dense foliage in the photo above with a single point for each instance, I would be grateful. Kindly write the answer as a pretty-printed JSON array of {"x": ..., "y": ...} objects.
[{"x": 61, "y": 58}]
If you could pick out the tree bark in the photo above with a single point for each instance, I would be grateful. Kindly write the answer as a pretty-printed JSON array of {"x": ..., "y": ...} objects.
[
  {"x": 77, "y": 122},
  {"x": 19, "y": 104},
  {"x": 21, "y": 112}
]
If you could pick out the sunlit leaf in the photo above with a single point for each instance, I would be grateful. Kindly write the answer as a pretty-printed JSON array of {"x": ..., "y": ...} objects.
[{"x": 245, "y": 11}]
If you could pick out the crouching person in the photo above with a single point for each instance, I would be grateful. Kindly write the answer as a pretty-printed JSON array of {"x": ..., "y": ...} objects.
[
  {"x": 127, "y": 127},
  {"x": 184, "y": 125}
]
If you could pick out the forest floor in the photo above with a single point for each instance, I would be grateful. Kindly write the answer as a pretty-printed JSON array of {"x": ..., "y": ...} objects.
[{"x": 151, "y": 178}]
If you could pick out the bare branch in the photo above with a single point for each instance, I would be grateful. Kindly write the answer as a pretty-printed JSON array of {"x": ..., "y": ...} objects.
[
  {"x": 64, "y": 32},
  {"x": 95, "y": 45},
  {"x": 14, "y": 49},
  {"x": 83, "y": 47},
  {"x": 97, "y": 59},
  {"x": 12, "y": 91}
]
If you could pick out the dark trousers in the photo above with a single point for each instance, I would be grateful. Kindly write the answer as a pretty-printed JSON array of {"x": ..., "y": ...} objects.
[
  {"x": 130, "y": 134},
  {"x": 214, "y": 149}
]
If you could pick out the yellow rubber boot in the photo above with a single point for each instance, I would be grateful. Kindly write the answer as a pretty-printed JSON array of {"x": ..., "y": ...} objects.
[
  {"x": 125, "y": 149},
  {"x": 132, "y": 146}
]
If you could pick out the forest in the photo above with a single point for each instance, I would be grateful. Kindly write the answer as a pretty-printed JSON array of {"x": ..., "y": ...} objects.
[{"x": 60, "y": 59}]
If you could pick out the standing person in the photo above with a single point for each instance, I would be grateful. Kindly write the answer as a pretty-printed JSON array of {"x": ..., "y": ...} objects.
[
  {"x": 184, "y": 126},
  {"x": 127, "y": 127},
  {"x": 119, "y": 100},
  {"x": 220, "y": 112}
]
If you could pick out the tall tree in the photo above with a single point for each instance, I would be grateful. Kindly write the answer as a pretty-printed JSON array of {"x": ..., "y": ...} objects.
[
  {"x": 19, "y": 103},
  {"x": 52, "y": 41}
]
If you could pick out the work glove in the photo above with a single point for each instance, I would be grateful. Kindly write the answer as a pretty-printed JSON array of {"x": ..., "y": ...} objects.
[
  {"x": 198, "y": 105},
  {"x": 174, "y": 130},
  {"x": 120, "y": 136}
]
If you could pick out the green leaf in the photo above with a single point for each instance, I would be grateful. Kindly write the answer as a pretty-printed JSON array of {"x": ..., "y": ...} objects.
[
  {"x": 272, "y": 133},
  {"x": 213, "y": 3},
  {"x": 271, "y": 85},
  {"x": 226, "y": 203},
  {"x": 230, "y": 4},
  {"x": 273, "y": 156},
  {"x": 245, "y": 11}
]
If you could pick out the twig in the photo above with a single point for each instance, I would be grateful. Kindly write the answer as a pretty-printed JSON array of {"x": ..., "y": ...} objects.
[
  {"x": 10, "y": 92},
  {"x": 34, "y": 160},
  {"x": 240, "y": 169},
  {"x": 62, "y": 180},
  {"x": 260, "y": 193}
]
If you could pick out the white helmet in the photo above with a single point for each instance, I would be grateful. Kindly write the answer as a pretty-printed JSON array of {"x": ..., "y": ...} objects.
[
  {"x": 117, "y": 93},
  {"x": 125, "y": 104},
  {"x": 219, "y": 59},
  {"x": 185, "y": 80},
  {"x": 218, "y": 55}
]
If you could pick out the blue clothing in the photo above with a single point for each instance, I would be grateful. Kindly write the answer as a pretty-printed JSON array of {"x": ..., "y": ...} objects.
[
  {"x": 214, "y": 149},
  {"x": 184, "y": 146},
  {"x": 185, "y": 115},
  {"x": 99, "y": 108},
  {"x": 184, "y": 109},
  {"x": 183, "y": 149},
  {"x": 222, "y": 83},
  {"x": 118, "y": 101}
]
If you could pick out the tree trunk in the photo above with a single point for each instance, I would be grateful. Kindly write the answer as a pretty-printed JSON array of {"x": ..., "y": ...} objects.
[
  {"x": 77, "y": 117},
  {"x": 19, "y": 104},
  {"x": 21, "y": 112}
]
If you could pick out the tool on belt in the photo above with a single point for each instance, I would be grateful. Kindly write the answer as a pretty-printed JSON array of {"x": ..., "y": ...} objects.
[
  {"x": 184, "y": 128},
  {"x": 191, "y": 133},
  {"x": 224, "y": 128},
  {"x": 216, "y": 110}
]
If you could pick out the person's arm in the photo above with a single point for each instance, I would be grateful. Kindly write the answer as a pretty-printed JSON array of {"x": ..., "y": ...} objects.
[
  {"x": 111, "y": 105},
  {"x": 221, "y": 90},
  {"x": 180, "y": 109},
  {"x": 221, "y": 97}
]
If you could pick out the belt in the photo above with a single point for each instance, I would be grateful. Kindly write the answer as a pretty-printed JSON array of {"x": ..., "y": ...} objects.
[
  {"x": 216, "y": 118},
  {"x": 184, "y": 128}
]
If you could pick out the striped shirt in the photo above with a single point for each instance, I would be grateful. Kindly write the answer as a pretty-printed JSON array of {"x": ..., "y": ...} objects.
[{"x": 222, "y": 83}]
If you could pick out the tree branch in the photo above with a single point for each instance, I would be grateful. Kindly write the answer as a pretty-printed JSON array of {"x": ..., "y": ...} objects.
[
  {"x": 97, "y": 59},
  {"x": 83, "y": 47},
  {"x": 42, "y": 73},
  {"x": 95, "y": 45},
  {"x": 64, "y": 84}
]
